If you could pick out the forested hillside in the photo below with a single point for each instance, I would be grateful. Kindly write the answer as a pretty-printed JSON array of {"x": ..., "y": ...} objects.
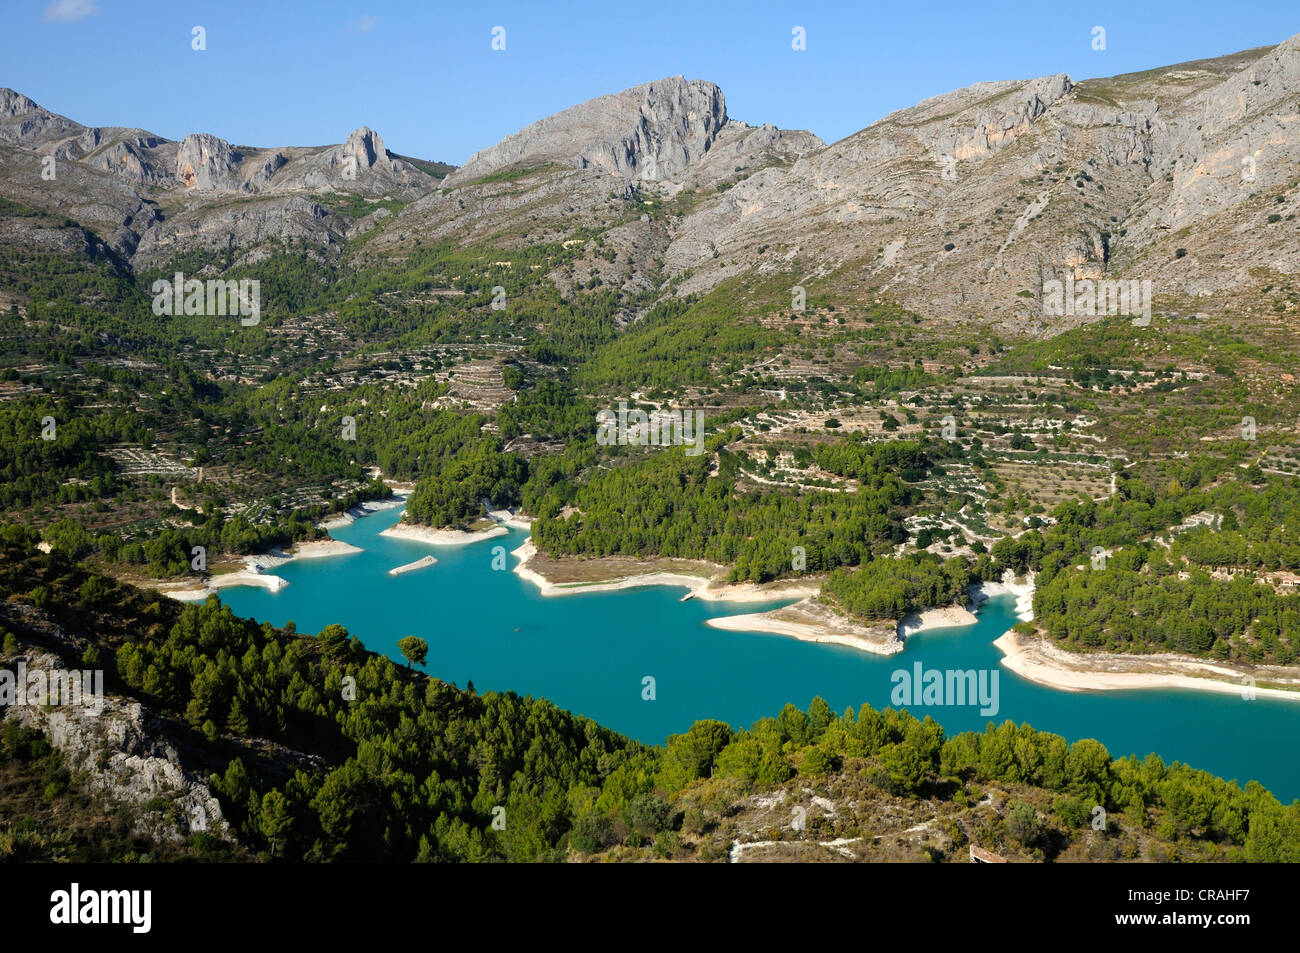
[{"x": 406, "y": 767}]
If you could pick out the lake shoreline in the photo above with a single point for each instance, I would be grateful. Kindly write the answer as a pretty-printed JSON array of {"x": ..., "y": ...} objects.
[
  {"x": 703, "y": 579},
  {"x": 807, "y": 619},
  {"x": 430, "y": 536},
  {"x": 1038, "y": 660},
  {"x": 364, "y": 509},
  {"x": 255, "y": 569},
  {"x": 811, "y": 621}
]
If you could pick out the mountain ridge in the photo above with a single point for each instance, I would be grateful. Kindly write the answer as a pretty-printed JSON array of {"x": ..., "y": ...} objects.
[{"x": 965, "y": 203}]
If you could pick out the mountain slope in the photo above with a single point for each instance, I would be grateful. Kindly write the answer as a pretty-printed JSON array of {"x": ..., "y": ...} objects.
[
  {"x": 961, "y": 206},
  {"x": 124, "y": 183},
  {"x": 963, "y": 202}
]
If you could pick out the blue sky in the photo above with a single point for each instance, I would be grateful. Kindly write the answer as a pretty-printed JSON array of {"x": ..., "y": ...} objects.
[{"x": 424, "y": 74}]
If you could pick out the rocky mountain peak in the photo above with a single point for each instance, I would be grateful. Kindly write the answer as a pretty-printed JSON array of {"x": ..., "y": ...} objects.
[
  {"x": 13, "y": 103},
  {"x": 652, "y": 131},
  {"x": 366, "y": 146}
]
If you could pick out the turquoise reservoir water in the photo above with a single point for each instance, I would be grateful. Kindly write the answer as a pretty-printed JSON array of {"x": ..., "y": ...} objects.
[{"x": 589, "y": 653}]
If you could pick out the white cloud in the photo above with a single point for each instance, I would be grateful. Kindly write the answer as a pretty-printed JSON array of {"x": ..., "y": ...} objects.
[
  {"x": 70, "y": 11},
  {"x": 364, "y": 25}
]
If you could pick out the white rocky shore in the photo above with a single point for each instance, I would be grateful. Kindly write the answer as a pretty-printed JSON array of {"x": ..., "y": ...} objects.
[
  {"x": 368, "y": 508},
  {"x": 255, "y": 572},
  {"x": 1009, "y": 586},
  {"x": 440, "y": 537},
  {"x": 812, "y": 622},
  {"x": 1038, "y": 659},
  {"x": 809, "y": 621},
  {"x": 806, "y": 619},
  {"x": 317, "y": 549},
  {"x": 1035, "y": 658},
  {"x": 701, "y": 586}
]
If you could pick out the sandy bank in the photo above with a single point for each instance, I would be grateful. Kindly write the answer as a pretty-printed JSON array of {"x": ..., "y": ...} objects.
[
  {"x": 440, "y": 537},
  {"x": 807, "y": 619},
  {"x": 612, "y": 574},
  {"x": 810, "y": 621},
  {"x": 368, "y": 508},
  {"x": 256, "y": 570},
  {"x": 1037, "y": 659},
  {"x": 757, "y": 592},
  {"x": 945, "y": 617},
  {"x": 316, "y": 549},
  {"x": 188, "y": 594},
  {"x": 527, "y": 553},
  {"x": 244, "y": 577},
  {"x": 251, "y": 575},
  {"x": 412, "y": 567}
]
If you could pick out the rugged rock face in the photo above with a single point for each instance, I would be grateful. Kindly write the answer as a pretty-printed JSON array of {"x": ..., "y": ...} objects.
[
  {"x": 592, "y": 164},
  {"x": 244, "y": 225},
  {"x": 650, "y": 132},
  {"x": 1231, "y": 140},
  {"x": 113, "y": 180},
  {"x": 361, "y": 166},
  {"x": 1002, "y": 113},
  {"x": 127, "y": 754},
  {"x": 131, "y": 159},
  {"x": 111, "y": 207},
  {"x": 741, "y": 149},
  {"x": 207, "y": 164},
  {"x": 365, "y": 148},
  {"x": 965, "y": 203},
  {"x": 897, "y": 168},
  {"x": 22, "y": 122}
]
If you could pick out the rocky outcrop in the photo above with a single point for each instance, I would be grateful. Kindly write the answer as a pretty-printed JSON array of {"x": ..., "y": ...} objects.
[
  {"x": 205, "y": 163},
  {"x": 965, "y": 203},
  {"x": 125, "y": 753},
  {"x": 591, "y": 163},
  {"x": 133, "y": 160},
  {"x": 364, "y": 148},
  {"x": 1236, "y": 138},
  {"x": 651, "y": 132},
  {"x": 24, "y": 123},
  {"x": 741, "y": 149},
  {"x": 108, "y": 178},
  {"x": 108, "y": 205},
  {"x": 1001, "y": 114},
  {"x": 361, "y": 165}
]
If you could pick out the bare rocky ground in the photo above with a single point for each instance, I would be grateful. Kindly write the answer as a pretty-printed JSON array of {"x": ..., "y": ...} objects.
[{"x": 123, "y": 752}]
